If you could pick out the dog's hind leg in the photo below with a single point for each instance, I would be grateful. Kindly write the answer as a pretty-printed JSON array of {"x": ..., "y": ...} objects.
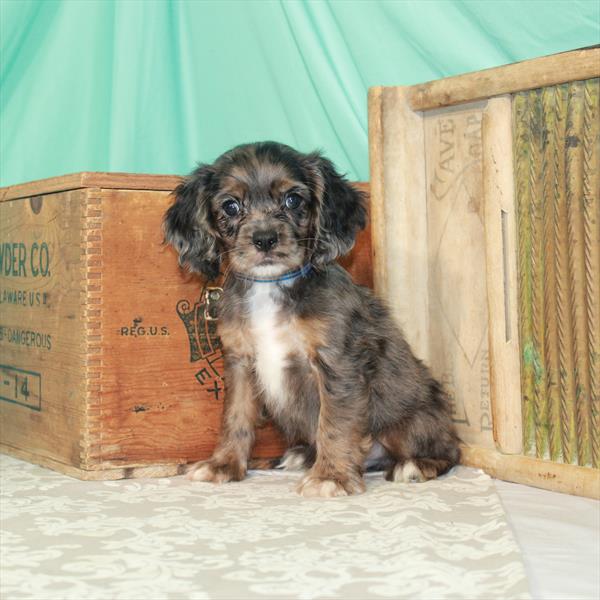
[
  {"x": 298, "y": 458},
  {"x": 425, "y": 445},
  {"x": 417, "y": 470},
  {"x": 420, "y": 453}
]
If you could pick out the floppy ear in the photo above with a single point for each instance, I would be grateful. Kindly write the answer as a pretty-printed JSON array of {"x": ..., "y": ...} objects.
[
  {"x": 187, "y": 224},
  {"x": 341, "y": 210}
]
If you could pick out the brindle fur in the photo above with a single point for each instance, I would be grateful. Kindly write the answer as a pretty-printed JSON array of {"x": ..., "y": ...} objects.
[{"x": 350, "y": 377}]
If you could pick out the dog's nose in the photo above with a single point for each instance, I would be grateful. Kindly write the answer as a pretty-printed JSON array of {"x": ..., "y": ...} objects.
[{"x": 265, "y": 240}]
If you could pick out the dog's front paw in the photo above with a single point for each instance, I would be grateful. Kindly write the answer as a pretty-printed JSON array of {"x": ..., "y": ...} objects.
[
  {"x": 313, "y": 486},
  {"x": 215, "y": 472}
]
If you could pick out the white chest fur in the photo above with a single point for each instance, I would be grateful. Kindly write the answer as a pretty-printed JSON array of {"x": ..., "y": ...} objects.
[{"x": 273, "y": 341}]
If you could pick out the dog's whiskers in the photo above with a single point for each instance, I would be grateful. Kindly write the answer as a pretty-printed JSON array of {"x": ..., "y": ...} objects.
[{"x": 236, "y": 249}]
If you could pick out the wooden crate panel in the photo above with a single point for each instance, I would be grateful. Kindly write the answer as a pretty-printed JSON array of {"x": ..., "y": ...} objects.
[
  {"x": 41, "y": 326},
  {"x": 556, "y": 153},
  {"x": 110, "y": 367},
  {"x": 167, "y": 401},
  {"x": 458, "y": 314},
  {"x": 486, "y": 241}
]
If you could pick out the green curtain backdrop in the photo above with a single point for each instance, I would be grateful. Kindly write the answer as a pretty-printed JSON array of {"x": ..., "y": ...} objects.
[{"x": 155, "y": 86}]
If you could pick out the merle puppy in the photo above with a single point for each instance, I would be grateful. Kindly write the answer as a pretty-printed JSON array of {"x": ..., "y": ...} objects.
[{"x": 321, "y": 355}]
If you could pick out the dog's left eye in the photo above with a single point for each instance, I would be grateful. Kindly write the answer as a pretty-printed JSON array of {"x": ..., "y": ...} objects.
[
  {"x": 293, "y": 200},
  {"x": 231, "y": 207}
]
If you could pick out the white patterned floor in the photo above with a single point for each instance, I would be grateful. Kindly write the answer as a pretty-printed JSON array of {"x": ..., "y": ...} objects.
[
  {"x": 169, "y": 538},
  {"x": 559, "y": 537}
]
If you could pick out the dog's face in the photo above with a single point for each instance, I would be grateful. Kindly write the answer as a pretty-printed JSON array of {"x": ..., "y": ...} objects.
[{"x": 267, "y": 208}]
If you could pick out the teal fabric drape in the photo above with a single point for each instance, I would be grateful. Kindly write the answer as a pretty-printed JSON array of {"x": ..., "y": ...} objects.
[{"x": 156, "y": 85}]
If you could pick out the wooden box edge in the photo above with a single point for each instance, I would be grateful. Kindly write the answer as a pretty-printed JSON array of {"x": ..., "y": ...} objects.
[{"x": 90, "y": 179}]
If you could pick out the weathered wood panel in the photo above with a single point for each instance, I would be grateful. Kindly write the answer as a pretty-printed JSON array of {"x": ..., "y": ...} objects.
[
  {"x": 501, "y": 274},
  {"x": 76, "y": 181},
  {"x": 557, "y": 134},
  {"x": 399, "y": 216},
  {"x": 541, "y": 271},
  {"x": 546, "y": 474},
  {"x": 458, "y": 310},
  {"x": 161, "y": 384},
  {"x": 507, "y": 79},
  {"x": 42, "y": 340}
]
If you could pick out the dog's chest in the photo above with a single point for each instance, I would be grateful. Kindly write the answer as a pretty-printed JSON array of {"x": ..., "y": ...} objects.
[{"x": 274, "y": 340}]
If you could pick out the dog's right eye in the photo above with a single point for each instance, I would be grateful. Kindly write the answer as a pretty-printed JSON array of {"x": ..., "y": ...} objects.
[{"x": 231, "y": 207}]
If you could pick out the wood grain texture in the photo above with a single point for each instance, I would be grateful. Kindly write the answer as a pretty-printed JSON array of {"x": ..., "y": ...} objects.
[
  {"x": 565, "y": 374},
  {"x": 73, "y": 181},
  {"x": 377, "y": 187},
  {"x": 108, "y": 474},
  {"x": 556, "y": 477},
  {"x": 158, "y": 402},
  {"x": 92, "y": 307},
  {"x": 457, "y": 287},
  {"x": 539, "y": 320},
  {"x": 575, "y": 229},
  {"x": 524, "y": 201},
  {"x": 591, "y": 223},
  {"x": 399, "y": 212},
  {"x": 42, "y": 332},
  {"x": 508, "y": 79},
  {"x": 553, "y": 178},
  {"x": 501, "y": 275}
]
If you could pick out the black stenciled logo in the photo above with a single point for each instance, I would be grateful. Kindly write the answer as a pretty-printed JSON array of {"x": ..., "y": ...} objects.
[
  {"x": 136, "y": 329},
  {"x": 205, "y": 345}
]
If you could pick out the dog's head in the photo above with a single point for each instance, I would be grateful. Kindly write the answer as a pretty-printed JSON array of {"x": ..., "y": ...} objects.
[{"x": 267, "y": 208}]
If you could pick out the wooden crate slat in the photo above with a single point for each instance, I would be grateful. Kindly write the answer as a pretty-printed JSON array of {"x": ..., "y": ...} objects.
[
  {"x": 42, "y": 338},
  {"x": 507, "y": 79},
  {"x": 501, "y": 274},
  {"x": 591, "y": 217},
  {"x": 574, "y": 193},
  {"x": 73, "y": 181}
]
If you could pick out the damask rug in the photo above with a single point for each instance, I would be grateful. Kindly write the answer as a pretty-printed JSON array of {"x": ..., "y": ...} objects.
[{"x": 168, "y": 538}]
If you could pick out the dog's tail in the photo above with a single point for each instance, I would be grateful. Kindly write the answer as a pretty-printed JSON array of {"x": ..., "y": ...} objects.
[{"x": 451, "y": 437}]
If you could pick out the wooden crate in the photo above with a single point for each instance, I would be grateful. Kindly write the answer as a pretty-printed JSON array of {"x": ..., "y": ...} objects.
[
  {"x": 485, "y": 221},
  {"x": 109, "y": 366}
]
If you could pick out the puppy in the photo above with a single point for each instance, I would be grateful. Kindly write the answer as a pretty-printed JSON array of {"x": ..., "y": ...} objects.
[{"x": 319, "y": 354}]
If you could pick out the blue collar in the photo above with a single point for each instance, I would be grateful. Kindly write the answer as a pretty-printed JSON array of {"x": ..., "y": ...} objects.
[{"x": 289, "y": 276}]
